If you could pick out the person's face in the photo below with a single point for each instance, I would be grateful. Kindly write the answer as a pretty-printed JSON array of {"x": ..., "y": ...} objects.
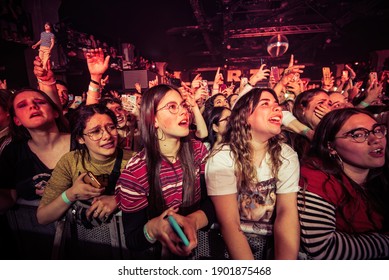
[
  {"x": 63, "y": 94},
  {"x": 359, "y": 156},
  {"x": 266, "y": 119},
  {"x": 221, "y": 101},
  {"x": 172, "y": 125},
  {"x": 339, "y": 101},
  {"x": 319, "y": 100},
  {"x": 32, "y": 110},
  {"x": 105, "y": 147},
  {"x": 119, "y": 112},
  {"x": 47, "y": 27},
  {"x": 221, "y": 127}
]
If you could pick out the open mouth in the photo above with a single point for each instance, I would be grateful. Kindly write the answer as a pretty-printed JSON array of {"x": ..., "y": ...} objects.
[
  {"x": 33, "y": 115},
  {"x": 276, "y": 120},
  {"x": 120, "y": 119},
  {"x": 379, "y": 152},
  {"x": 184, "y": 122},
  {"x": 108, "y": 145}
]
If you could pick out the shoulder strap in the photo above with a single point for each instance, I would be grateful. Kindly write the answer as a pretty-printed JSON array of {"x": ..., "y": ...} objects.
[{"x": 114, "y": 176}]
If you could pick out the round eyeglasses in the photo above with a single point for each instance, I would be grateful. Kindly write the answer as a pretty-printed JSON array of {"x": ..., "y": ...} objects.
[
  {"x": 97, "y": 133},
  {"x": 360, "y": 135},
  {"x": 174, "y": 107}
]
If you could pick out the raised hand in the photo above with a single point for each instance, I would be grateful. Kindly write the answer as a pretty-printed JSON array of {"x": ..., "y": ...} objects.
[
  {"x": 104, "y": 81},
  {"x": 3, "y": 84},
  {"x": 154, "y": 82},
  {"x": 138, "y": 87},
  {"x": 196, "y": 83},
  {"x": 97, "y": 64},
  {"x": 260, "y": 75},
  {"x": 218, "y": 81},
  {"x": 41, "y": 73}
]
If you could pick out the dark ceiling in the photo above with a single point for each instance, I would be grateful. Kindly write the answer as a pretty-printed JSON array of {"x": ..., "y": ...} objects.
[{"x": 206, "y": 33}]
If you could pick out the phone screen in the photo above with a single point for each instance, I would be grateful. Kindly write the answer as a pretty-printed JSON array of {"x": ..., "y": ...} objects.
[{"x": 275, "y": 73}]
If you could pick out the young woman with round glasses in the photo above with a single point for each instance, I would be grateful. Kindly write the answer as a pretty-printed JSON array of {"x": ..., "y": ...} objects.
[
  {"x": 95, "y": 137},
  {"x": 163, "y": 179},
  {"x": 343, "y": 207}
]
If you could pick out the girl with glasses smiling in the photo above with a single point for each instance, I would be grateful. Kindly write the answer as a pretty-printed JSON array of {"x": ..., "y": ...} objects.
[
  {"x": 344, "y": 205},
  {"x": 95, "y": 138},
  {"x": 164, "y": 179}
]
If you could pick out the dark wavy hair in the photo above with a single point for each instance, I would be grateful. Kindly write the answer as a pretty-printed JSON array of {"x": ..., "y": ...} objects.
[
  {"x": 20, "y": 132},
  {"x": 150, "y": 100},
  {"x": 208, "y": 105},
  {"x": 302, "y": 101},
  {"x": 238, "y": 136},
  {"x": 214, "y": 118},
  {"x": 79, "y": 121},
  {"x": 319, "y": 158}
]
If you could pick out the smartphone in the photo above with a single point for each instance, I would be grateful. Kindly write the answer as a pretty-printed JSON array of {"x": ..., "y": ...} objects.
[
  {"x": 71, "y": 97},
  {"x": 176, "y": 227},
  {"x": 78, "y": 99},
  {"x": 275, "y": 72},
  {"x": 345, "y": 74},
  {"x": 204, "y": 83},
  {"x": 373, "y": 76},
  {"x": 90, "y": 179},
  {"x": 131, "y": 99},
  {"x": 326, "y": 75},
  {"x": 296, "y": 77}
]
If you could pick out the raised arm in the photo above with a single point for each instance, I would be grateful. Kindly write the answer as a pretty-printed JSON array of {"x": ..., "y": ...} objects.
[
  {"x": 46, "y": 80},
  {"x": 97, "y": 65}
]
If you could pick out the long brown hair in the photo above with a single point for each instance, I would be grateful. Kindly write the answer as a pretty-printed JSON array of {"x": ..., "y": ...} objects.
[
  {"x": 238, "y": 136},
  {"x": 150, "y": 100}
]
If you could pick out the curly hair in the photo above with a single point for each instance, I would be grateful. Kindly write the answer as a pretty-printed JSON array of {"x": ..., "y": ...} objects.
[{"x": 238, "y": 136}]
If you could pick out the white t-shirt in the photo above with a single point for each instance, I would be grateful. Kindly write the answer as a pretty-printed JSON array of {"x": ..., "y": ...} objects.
[{"x": 257, "y": 206}]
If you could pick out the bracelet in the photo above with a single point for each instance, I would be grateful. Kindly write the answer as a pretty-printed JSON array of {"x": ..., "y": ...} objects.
[
  {"x": 148, "y": 237},
  {"x": 66, "y": 199},
  {"x": 45, "y": 83},
  {"x": 94, "y": 89},
  {"x": 364, "y": 104},
  {"x": 94, "y": 97},
  {"x": 305, "y": 131},
  {"x": 94, "y": 82}
]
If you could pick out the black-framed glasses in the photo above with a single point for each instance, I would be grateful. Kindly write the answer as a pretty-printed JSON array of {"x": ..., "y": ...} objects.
[
  {"x": 227, "y": 119},
  {"x": 97, "y": 133},
  {"x": 174, "y": 107},
  {"x": 360, "y": 135}
]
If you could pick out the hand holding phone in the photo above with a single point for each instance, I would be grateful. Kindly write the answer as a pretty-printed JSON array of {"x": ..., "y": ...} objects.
[
  {"x": 90, "y": 179},
  {"x": 326, "y": 75},
  {"x": 275, "y": 72},
  {"x": 176, "y": 227}
]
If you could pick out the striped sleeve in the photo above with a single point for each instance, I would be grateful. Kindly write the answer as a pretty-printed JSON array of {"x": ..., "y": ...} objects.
[{"x": 321, "y": 241}]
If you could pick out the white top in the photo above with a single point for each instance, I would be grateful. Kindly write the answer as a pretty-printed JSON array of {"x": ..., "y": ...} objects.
[{"x": 256, "y": 207}]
